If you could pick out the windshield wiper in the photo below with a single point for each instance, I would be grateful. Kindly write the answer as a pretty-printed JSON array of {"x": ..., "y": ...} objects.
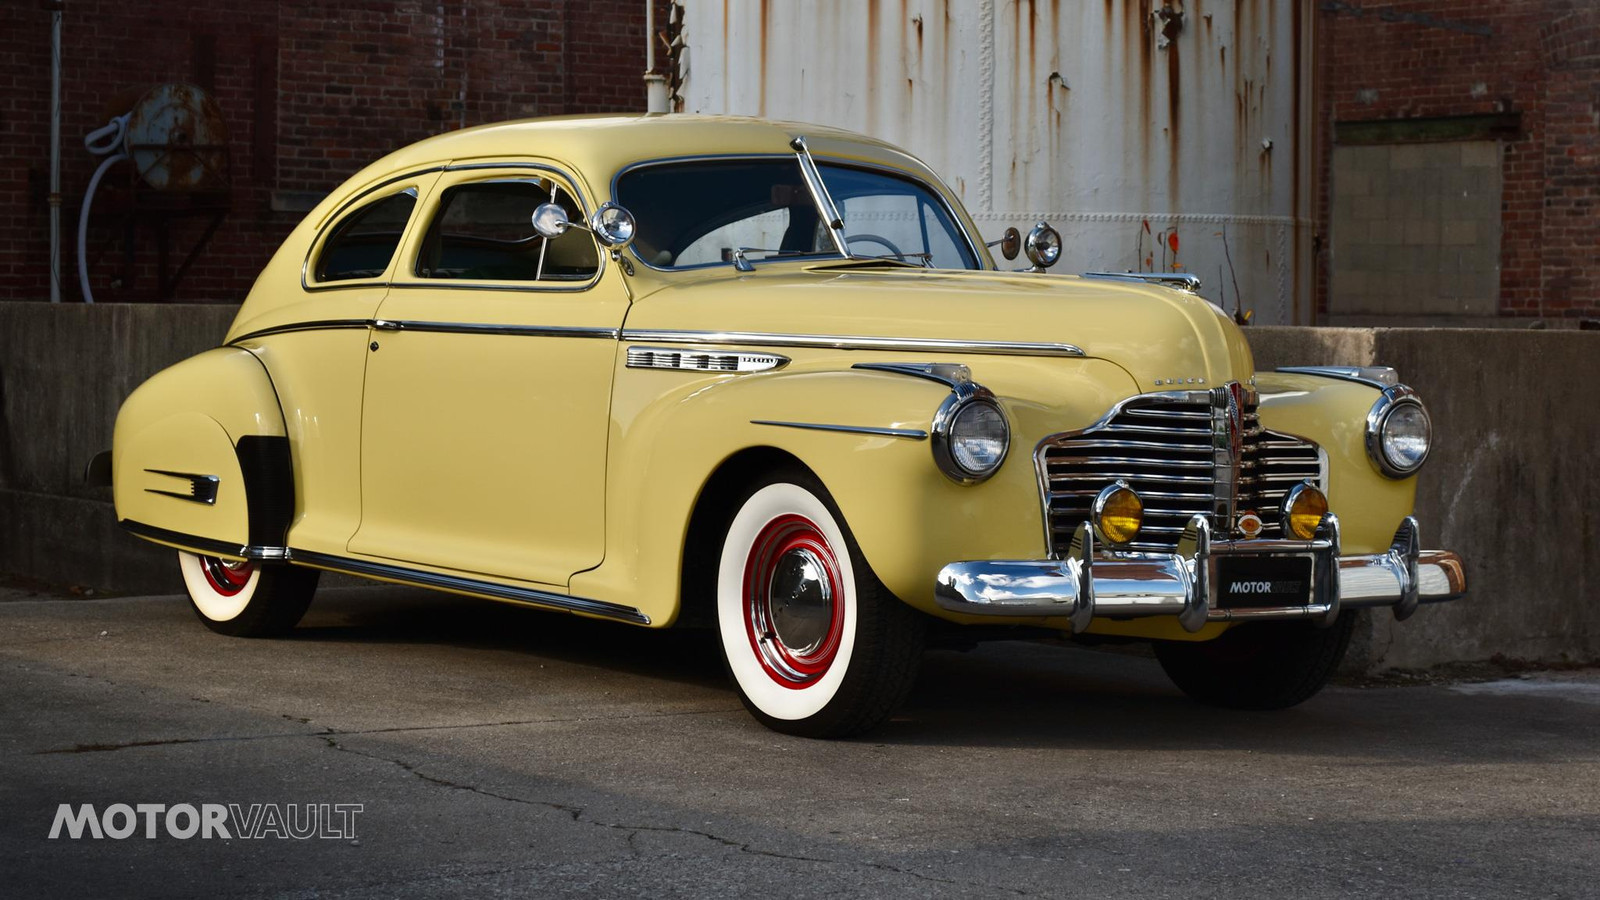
[
  {"x": 743, "y": 264},
  {"x": 868, "y": 262}
]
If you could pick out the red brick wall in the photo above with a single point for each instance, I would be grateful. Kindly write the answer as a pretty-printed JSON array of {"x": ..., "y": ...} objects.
[
  {"x": 1434, "y": 58},
  {"x": 309, "y": 91}
]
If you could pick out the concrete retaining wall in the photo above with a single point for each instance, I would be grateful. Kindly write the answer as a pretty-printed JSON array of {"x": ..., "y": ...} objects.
[
  {"x": 64, "y": 371},
  {"x": 1512, "y": 485}
]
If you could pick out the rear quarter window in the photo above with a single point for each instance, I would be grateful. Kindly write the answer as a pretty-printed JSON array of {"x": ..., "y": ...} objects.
[{"x": 364, "y": 242}]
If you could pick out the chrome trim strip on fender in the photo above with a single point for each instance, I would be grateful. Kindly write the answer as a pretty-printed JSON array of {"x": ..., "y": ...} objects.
[
  {"x": 316, "y": 325},
  {"x": 1180, "y": 281},
  {"x": 1379, "y": 377},
  {"x": 947, "y": 374},
  {"x": 852, "y": 342},
  {"x": 473, "y": 586},
  {"x": 914, "y": 434},
  {"x": 201, "y": 544},
  {"x": 202, "y": 488}
]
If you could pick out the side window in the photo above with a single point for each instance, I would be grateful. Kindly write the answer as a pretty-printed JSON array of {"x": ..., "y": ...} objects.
[
  {"x": 484, "y": 230},
  {"x": 362, "y": 244}
]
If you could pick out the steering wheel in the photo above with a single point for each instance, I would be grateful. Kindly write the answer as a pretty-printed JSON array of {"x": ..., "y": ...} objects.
[{"x": 876, "y": 239}]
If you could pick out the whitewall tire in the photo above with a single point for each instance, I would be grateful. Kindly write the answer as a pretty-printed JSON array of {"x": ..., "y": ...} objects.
[
  {"x": 813, "y": 642},
  {"x": 246, "y": 599}
]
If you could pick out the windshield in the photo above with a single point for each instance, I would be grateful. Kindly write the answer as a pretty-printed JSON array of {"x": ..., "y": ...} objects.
[{"x": 699, "y": 212}]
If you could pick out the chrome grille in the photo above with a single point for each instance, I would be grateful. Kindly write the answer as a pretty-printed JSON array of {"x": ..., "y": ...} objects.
[{"x": 1177, "y": 451}]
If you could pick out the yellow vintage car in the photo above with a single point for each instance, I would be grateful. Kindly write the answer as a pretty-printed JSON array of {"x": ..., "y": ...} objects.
[{"x": 766, "y": 378}]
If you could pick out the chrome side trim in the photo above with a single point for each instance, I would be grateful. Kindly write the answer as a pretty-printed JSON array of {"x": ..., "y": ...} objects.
[
  {"x": 478, "y": 328},
  {"x": 202, "y": 488},
  {"x": 318, "y": 325},
  {"x": 852, "y": 342},
  {"x": 385, "y": 572},
  {"x": 914, "y": 434},
  {"x": 440, "y": 327},
  {"x": 702, "y": 361},
  {"x": 947, "y": 374},
  {"x": 1379, "y": 377},
  {"x": 199, "y": 544},
  {"x": 1181, "y": 281},
  {"x": 473, "y": 586}
]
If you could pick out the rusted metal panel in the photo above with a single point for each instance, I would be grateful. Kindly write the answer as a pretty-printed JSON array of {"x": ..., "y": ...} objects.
[
  {"x": 1145, "y": 130},
  {"x": 177, "y": 140}
]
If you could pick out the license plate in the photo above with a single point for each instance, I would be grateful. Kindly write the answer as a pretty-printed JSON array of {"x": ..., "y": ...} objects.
[{"x": 1254, "y": 582}]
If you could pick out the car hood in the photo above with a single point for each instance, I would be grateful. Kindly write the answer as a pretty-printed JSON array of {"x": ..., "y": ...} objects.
[{"x": 1161, "y": 336}]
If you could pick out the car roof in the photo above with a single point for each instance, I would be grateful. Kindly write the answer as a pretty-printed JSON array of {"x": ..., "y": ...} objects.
[{"x": 602, "y": 145}]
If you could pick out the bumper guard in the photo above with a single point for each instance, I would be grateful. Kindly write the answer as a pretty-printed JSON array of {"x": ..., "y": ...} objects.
[{"x": 1123, "y": 585}]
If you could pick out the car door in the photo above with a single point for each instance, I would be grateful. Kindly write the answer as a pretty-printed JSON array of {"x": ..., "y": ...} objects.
[
  {"x": 487, "y": 398},
  {"x": 315, "y": 349}
]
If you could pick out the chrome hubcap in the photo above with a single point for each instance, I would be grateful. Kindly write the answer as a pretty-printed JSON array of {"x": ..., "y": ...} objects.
[{"x": 800, "y": 598}]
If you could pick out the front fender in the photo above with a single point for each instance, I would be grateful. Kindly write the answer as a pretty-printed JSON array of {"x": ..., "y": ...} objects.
[
  {"x": 197, "y": 455},
  {"x": 1332, "y": 412},
  {"x": 670, "y": 437}
]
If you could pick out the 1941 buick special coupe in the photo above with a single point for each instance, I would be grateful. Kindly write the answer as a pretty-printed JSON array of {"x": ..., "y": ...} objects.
[{"x": 767, "y": 378}]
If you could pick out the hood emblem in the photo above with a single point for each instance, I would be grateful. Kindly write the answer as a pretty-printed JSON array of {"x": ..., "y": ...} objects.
[{"x": 1160, "y": 381}]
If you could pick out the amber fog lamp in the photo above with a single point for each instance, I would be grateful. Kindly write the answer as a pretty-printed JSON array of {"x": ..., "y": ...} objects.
[
  {"x": 1303, "y": 509},
  {"x": 1117, "y": 514}
]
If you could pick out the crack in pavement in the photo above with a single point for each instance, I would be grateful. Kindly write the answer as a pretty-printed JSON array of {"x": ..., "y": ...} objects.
[
  {"x": 397, "y": 729},
  {"x": 576, "y": 814}
]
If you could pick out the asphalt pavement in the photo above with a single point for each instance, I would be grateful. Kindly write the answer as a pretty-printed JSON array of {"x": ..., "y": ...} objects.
[{"x": 468, "y": 748}]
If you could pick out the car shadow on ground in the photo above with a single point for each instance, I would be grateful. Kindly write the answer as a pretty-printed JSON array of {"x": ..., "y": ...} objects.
[{"x": 1042, "y": 694}]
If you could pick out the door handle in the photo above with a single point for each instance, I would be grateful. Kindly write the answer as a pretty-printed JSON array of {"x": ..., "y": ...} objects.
[{"x": 385, "y": 325}]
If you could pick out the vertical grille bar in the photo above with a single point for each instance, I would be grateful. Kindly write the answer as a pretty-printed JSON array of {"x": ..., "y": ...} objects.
[{"x": 1186, "y": 453}]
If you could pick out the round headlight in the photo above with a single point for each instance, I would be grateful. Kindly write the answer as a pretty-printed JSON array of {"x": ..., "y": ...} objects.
[
  {"x": 970, "y": 434},
  {"x": 978, "y": 438},
  {"x": 1399, "y": 433},
  {"x": 1406, "y": 434},
  {"x": 1043, "y": 246}
]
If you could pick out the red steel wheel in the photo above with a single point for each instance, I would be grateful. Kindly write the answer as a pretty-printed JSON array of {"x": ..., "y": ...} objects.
[{"x": 793, "y": 601}]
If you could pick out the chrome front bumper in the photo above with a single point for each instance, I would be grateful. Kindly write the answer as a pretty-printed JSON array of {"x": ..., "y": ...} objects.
[{"x": 1128, "y": 585}]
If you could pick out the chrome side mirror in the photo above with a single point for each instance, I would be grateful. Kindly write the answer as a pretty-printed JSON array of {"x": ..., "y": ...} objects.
[
  {"x": 550, "y": 220},
  {"x": 1010, "y": 243},
  {"x": 612, "y": 224},
  {"x": 1043, "y": 245}
]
